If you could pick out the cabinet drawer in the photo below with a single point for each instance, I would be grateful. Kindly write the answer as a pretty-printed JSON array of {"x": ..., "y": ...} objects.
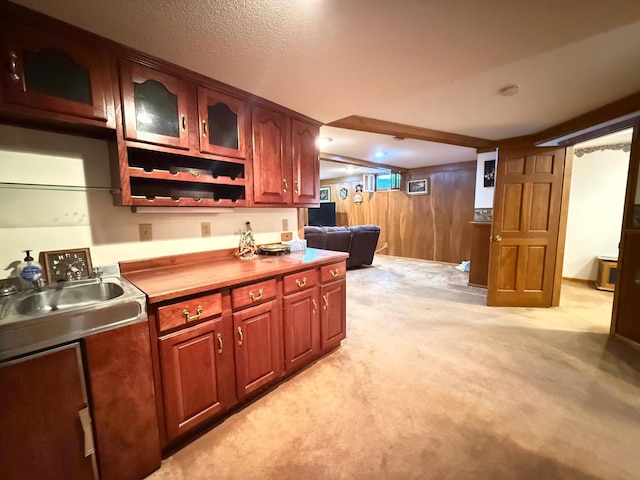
[
  {"x": 179, "y": 314},
  {"x": 253, "y": 294},
  {"x": 333, "y": 271},
  {"x": 299, "y": 281}
]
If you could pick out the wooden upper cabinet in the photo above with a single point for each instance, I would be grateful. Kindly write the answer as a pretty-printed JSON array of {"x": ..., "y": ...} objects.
[
  {"x": 306, "y": 163},
  {"x": 154, "y": 106},
  {"x": 51, "y": 73},
  {"x": 271, "y": 133},
  {"x": 222, "y": 124}
]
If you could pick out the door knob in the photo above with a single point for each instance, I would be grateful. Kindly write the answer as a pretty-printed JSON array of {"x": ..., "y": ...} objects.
[{"x": 498, "y": 238}]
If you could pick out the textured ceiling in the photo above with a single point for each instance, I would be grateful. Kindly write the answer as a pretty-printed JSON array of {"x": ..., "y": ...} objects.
[{"x": 433, "y": 64}]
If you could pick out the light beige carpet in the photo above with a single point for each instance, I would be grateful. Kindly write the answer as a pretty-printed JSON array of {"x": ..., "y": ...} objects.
[{"x": 431, "y": 383}]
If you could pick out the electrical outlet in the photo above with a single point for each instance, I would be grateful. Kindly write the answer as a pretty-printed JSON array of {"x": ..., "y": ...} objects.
[
  {"x": 206, "y": 229},
  {"x": 285, "y": 224},
  {"x": 286, "y": 236},
  {"x": 145, "y": 232}
]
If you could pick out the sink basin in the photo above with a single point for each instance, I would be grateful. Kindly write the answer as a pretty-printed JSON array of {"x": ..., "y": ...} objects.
[
  {"x": 68, "y": 297},
  {"x": 31, "y": 321}
]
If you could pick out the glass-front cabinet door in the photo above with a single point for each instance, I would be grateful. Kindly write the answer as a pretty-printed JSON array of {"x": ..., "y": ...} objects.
[
  {"x": 154, "y": 106},
  {"x": 52, "y": 73},
  {"x": 223, "y": 124}
]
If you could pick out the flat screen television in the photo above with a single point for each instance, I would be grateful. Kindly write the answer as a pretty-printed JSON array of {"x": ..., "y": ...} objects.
[{"x": 324, "y": 215}]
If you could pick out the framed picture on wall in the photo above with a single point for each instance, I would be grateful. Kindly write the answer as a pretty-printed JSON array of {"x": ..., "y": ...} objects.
[
  {"x": 489, "y": 173},
  {"x": 418, "y": 187},
  {"x": 325, "y": 194}
]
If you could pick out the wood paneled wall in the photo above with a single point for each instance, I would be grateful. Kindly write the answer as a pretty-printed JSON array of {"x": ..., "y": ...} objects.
[{"x": 431, "y": 227}]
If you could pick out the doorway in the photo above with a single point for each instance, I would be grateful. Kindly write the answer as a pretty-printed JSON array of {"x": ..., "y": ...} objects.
[{"x": 595, "y": 214}]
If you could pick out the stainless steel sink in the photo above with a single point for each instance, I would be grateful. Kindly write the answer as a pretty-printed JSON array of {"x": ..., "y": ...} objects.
[
  {"x": 59, "y": 298},
  {"x": 67, "y": 311}
]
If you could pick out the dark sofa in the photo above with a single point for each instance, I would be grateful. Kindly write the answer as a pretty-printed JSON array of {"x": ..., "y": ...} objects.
[{"x": 359, "y": 241}]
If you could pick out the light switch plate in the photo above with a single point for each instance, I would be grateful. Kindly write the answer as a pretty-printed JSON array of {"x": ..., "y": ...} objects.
[
  {"x": 205, "y": 227},
  {"x": 285, "y": 224}
]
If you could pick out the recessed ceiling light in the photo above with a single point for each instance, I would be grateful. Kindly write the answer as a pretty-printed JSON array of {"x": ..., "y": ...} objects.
[
  {"x": 509, "y": 90},
  {"x": 379, "y": 154},
  {"x": 323, "y": 141}
]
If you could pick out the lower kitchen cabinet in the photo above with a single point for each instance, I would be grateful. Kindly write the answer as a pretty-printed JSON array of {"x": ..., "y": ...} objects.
[
  {"x": 258, "y": 333},
  {"x": 301, "y": 329},
  {"x": 333, "y": 313},
  {"x": 194, "y": 368},
  {"x": 45, "y": 424}
]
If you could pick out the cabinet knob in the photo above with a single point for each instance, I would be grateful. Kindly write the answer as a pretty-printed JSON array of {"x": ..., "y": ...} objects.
[
  {"x": 219, "y": 337},
  {"x": 315, "y": 305},
  {"x": 240, "y": 336},
  {"x": 326, "y": 302},
  {"x": 13, "y": 68},
  {"x": 204, "y": 128},
  {"x": 184, "y": 122},
  {"x": 297, "y": 187},
  {"x": 286, "y": 185}
]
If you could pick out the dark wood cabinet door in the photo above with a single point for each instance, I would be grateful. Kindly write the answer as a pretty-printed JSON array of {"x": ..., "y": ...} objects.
[
  {"x": 154, "y": 106},
  {"x": 306, "y": 163},
  {"x": 301, "y": 328},
  {"x": 333, "y": 313},
  {"x": 123, "y": 401},
  {"x": 42, "y": 433},
  {"x": 51, "y": 73},
  {"x": 257, "y": 332},
  {"x": 193, "y": 376},
  {"x": 222, "y": 124},
  {"x": 272, "y": 182}
]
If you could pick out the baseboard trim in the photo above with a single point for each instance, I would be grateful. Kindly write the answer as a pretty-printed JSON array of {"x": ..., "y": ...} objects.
[{"x": 578, "y": 280}]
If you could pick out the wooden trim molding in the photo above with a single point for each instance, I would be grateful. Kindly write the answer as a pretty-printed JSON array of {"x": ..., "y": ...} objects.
[
  {"x": 330, "y": 157},
  {"x": 629, "y": 105},
  {"x": 364, "y": 124}
]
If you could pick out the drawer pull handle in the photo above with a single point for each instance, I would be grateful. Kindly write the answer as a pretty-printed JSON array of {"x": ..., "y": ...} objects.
[
  {"x": 315, "y": 305},
  {"x": 255, "y": 297},
  {"x": 302, "y": 283},
  {"x": 185, "y": 312},
  {"x": 240, "y": 336},
  {"x": 13, "y": 69},
  {"x": 326, "y": 302},
  {"x": 219, "y": 337},
  {"x": 334, "y": 273}
]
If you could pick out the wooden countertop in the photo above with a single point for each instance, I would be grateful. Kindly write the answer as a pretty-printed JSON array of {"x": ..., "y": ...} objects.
[{"x": 169, "y": 282}]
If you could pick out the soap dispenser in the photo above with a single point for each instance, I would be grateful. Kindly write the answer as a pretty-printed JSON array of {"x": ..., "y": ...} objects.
[{"x": 29, "y": 270}]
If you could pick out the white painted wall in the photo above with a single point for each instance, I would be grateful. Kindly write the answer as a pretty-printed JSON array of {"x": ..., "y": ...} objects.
[
  {"x": 42, "y": 220},
  {"x": 484, "y": 195},
  {"x": 596, "y": 204}
]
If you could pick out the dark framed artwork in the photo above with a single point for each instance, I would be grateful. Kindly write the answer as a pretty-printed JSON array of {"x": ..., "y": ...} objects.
[
  {"x": 489, "y": 173},
  {"x": 418, "y": 187},
  {"x": 325, "y": 194}
]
